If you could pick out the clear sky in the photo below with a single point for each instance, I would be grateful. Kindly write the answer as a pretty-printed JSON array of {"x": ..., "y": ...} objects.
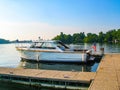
[{"x": 29, "y": 19}]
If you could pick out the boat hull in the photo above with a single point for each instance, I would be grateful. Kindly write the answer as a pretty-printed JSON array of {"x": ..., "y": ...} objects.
[{"x": 54, "y": 56}]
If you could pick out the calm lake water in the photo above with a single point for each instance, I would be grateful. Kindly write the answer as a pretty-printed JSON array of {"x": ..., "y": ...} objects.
[{"x": 9, "y": 57}]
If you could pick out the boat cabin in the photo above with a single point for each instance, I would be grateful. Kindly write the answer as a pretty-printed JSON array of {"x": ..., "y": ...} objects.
[{"x": 49, "y": 45}]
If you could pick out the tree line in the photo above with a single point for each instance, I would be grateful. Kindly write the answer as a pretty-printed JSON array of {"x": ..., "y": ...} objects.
[
  {"x": 76, "y": 38},
  {"x": 2, "y": 41}
]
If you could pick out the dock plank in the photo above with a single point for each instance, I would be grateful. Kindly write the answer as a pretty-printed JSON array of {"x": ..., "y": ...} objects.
[
  {"x": 108, "y": 75},
  {"x": 85, "y": 77}
]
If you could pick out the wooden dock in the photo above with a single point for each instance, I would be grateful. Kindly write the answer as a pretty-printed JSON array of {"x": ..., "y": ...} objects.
[
  {"x": 47, "y": 78},
  {"x": 108, "y": 74},
  {"x": 82, "y": 77}
]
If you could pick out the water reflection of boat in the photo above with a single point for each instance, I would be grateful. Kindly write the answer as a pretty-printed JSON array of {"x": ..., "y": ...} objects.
[
  {"x": 51, "y": 51},
  {"x": 55, "y": 66}
]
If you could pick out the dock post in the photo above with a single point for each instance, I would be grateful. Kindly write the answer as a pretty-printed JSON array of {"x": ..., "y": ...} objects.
[
  {"x": 65, "y": 85},
  {"x": 102, "y": 51},
  {"x": 37, "y": 61},
  {"x": 30, "y": 81},
  {"x": 83, "y": 57}
]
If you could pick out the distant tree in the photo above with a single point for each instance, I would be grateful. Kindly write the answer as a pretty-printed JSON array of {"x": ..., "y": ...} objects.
[
  {"x": 68, "y": 39},
  {"x": 118, "y": 35},
  {"x": 78, "y": 37},
  {"x": 64, "y": 38},
  {"x": 2, "y": 41},
  {"x": 90, "y": 38},
  {"x": 110, "y": 36},
  {"x": 101, "y": 37}
]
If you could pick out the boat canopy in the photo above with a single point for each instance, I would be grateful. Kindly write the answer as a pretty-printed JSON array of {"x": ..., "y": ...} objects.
[{"x": 51, "y": 44}]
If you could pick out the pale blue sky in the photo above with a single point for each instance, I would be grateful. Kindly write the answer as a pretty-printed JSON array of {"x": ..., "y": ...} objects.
[{"x": 29, "y": 19}]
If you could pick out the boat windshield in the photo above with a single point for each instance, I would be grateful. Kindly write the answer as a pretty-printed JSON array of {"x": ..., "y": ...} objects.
[
  {"x": 36, "y": 45},
  {"x": 49, "y": 45}
]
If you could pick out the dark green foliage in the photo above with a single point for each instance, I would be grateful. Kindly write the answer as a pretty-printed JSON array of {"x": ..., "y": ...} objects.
[
  {"x": 78, "y": 37},
  {"x": 2, "y": 41},
  {"x": 90, "y": 38},
  {"x": 64, "y": 38},
  {"x": 101, "y": 37},
  {"x": 110, "y": 36}
]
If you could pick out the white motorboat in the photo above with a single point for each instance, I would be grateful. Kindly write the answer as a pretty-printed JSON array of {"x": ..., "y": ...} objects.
[{"x": 51, "y": 51}]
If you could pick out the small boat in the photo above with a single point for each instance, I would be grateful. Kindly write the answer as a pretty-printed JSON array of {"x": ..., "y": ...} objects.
[{"x": 52, "y": 51}]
